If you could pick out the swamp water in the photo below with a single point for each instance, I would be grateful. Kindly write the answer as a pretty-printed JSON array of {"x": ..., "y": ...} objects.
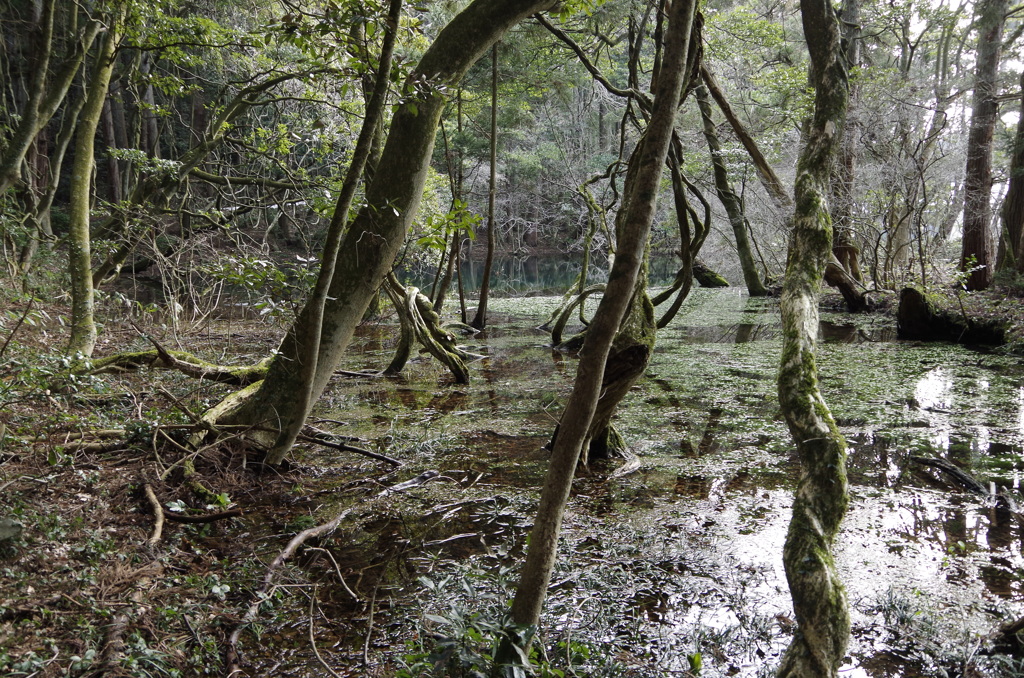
[{"x": 676, "y": 556}]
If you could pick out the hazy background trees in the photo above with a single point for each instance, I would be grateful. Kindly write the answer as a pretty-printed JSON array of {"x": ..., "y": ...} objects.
[{"x": 223, "y": 134}]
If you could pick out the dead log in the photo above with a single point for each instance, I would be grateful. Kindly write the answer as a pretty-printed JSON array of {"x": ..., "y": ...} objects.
[{"x": 922, "y": 317}]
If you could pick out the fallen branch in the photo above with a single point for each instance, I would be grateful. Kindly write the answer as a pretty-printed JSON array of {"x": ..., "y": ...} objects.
[
  {"x": 158, "y": 516},
  {"x": 186, "y": 363},
  {"x": 264, "y": 592},
  {"x": 1000, "y": 496},
  {"x": 326, "y": 439},
  {"x": 208, "y": 518},
  {"x": 957, "y": 475}
]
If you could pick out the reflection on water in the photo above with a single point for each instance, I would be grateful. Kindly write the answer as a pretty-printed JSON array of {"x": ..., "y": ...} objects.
[
  {"x": 706, "y": 514},
  {"x": 934, "y": 390},
  {"x": 741, "y": 333}
]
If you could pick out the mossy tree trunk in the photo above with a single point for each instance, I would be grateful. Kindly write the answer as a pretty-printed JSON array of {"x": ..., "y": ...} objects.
[
  {"x": 976, "y": 255},
  {"x": 614, "y": 309},
  {"x": 307, "y": 355},
  {"x": 378, "y": 231},
  {"x": 821, "y": 497},
  {"x": 83, "y": 325}
]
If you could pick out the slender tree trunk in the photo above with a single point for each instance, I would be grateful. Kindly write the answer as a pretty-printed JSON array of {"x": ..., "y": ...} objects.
[
  {"x": 976, "y": 248},
  {"x": 110, "y": 140},
  {"x": 43, "y": 99},
  {"x": 821, "y": 497},
  {"x": 480, "y": 321},
  {"x": 638, "y": 211},
  {"x": 375, "y": 236},
  {"x": 769, "y": 179},
  {"x": 731, "y": 201},
  {"x": 83, "y": 325}
]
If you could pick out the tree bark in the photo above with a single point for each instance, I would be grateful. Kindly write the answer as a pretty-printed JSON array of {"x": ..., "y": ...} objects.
[
  {"x": 83, "y": 326},
  {"x": 638, "y": 211},
  {"x": 480, "y": 321},
  {"x": 976, "y": 256},
  {"x": 378, "y": 231},
  {"x": 844, "y": 244},
  {"x": 307, "y": 350},
  {"x": 821, "y": 497},
  {"x": 1012, "y": 243},
  {"x": 731, "y": 201},
  {"x": 44, "y": 100}
]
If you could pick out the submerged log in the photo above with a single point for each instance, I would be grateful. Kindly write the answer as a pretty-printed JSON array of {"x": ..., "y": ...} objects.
[
  {"x": 706, "y": 276},
  {"x": 920, "y": 317}
]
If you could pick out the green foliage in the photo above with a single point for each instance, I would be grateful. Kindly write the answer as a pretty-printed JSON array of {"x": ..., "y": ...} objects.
[{"x": 439, "y": 228}]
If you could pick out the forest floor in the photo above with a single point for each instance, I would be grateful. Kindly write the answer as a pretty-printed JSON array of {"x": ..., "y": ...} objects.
[{"x": 671, "y": 560}]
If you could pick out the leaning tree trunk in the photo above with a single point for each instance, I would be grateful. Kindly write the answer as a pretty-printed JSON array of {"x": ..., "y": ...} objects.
[
  {"x": 83, "y": 326},
  {"x": 821, "y": 497},
  {"x": 638, "y": 212},
  {"x": 976, "y": 256},
  {"x": 374, "y": 237},
  {"x": 308, "y": 348},
  {"x": 731, "y": 201}
]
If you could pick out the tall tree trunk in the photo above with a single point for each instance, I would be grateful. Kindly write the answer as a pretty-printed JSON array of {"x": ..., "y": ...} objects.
[
  {"x": 1012, "y": 242},
  {"x": 308, "y": 347},
  {"x": 821, "y": 497},
  {"x": 844, "y": 244},
  {"x": 635, "y": 218},
  {"x": 731, "y": 201},
  {"x": 480, "y": 321},
  {"x": 375, "y": 236},
  {"x": 976, "y": 248},
  {"x": 83, "y": 325}
]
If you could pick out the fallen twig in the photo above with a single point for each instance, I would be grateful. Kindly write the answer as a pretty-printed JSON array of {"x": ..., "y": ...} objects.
[
  {"x": 208, "y": 518},
  {"x": 268, "y": 578},
  {"x": 312, "y": 638},
  {"x": 327, "y": 440},
  {"x": 158, "y": 516}
]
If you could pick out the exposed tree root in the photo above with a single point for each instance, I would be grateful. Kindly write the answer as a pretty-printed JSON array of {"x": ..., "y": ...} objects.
[
  {"x": 419, "y": 323},
  {"x": 854, "y": 293},
  {"x": 565, "y": 312}
]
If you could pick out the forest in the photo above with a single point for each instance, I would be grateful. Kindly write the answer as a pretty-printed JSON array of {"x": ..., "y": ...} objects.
[{"x": 508, "y": 338}]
